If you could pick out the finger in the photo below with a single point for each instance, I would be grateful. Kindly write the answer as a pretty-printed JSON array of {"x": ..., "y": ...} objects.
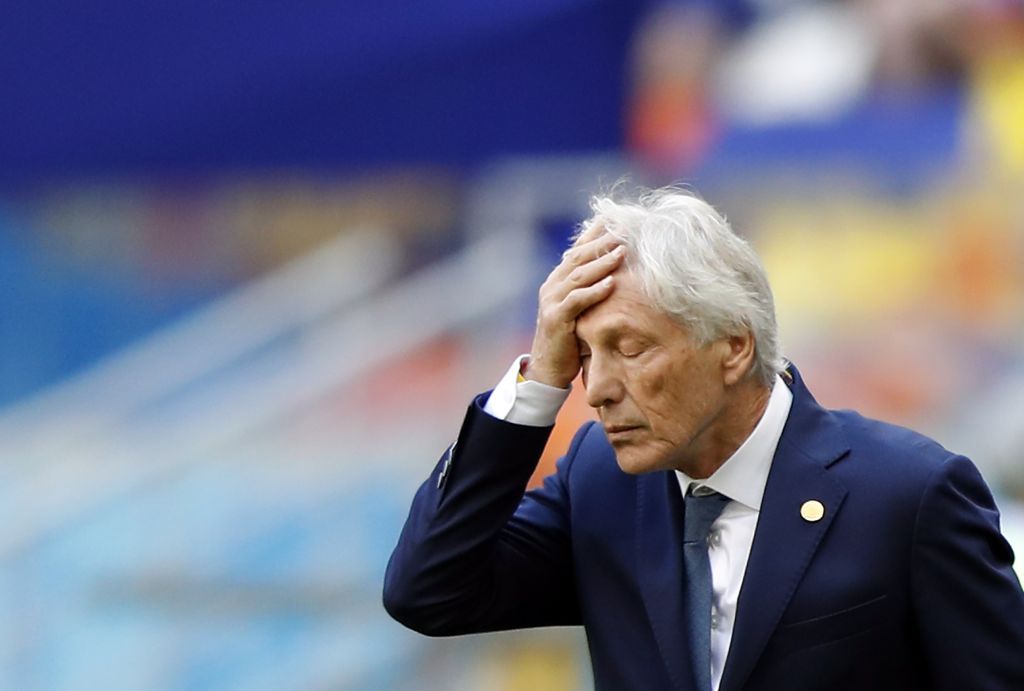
[
  {"x": 593, "y": 271},
  {"x": 581, "y": 299},
  {"x": 588, "y": 247},
  {"x": 591, "y": 231},
  {"x": 560, "y": 283},
  {"x": 580, "y": 254}
]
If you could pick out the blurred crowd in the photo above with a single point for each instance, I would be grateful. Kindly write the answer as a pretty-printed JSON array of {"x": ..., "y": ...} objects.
[{"x": 700, "y": 68}]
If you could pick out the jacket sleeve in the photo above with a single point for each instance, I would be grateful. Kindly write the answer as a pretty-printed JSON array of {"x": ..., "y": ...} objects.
[
  {"x": 967, "y": 598},
  {"x": 476, "y": 554}
]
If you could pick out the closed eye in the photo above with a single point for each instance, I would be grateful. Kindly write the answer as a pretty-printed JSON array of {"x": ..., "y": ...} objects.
[{"x": 632, "y": 347}]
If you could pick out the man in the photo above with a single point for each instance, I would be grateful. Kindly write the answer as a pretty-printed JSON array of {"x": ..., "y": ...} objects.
[{"x": 718, "y": 530}]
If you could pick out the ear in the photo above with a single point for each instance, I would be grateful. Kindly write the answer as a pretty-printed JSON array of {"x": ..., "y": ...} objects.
[{"x": 737, "y": 357}]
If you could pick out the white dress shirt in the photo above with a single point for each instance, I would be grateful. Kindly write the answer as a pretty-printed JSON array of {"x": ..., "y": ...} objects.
[
  {"x": 741, "y": 478},
  {"x": 525, "y": 402}
]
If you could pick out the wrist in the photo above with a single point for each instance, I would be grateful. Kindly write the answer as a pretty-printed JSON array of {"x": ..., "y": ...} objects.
[{"x": 530, "y": 371}]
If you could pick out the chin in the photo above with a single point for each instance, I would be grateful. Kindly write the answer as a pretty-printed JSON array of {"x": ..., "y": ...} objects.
[{"x": 635, "y": 460}]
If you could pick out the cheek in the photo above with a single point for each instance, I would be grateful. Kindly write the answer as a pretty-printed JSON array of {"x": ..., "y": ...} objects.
[
  {"x": 653, "y": 395},
  {"x": 645, "y": 386},
  {"x": 651, "y": 385},
  {"x": 671, "y": 403}
]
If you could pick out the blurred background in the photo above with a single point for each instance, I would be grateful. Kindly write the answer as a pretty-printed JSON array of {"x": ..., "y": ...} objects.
[{"x": 255, "y": 259}]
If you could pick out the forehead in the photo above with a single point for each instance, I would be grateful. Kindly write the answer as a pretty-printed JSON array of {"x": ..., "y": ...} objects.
[{"x": 627, "y": 310}]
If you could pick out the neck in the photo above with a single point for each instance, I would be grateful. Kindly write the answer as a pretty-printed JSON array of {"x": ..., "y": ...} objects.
[{"x": 728, "y": 430}]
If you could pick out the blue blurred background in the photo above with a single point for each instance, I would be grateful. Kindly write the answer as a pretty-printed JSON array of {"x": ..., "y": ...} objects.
[{"x": 255, "y": 258}]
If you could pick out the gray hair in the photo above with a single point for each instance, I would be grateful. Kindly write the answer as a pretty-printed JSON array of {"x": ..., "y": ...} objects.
[{"x": 693, "y": 267}]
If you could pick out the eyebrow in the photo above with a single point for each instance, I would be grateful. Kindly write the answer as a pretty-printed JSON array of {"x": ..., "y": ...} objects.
[{"x": 618, "y": 329}]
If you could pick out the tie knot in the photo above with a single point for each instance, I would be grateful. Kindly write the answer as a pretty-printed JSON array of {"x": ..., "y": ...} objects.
[{"x": 701, "y": 511}]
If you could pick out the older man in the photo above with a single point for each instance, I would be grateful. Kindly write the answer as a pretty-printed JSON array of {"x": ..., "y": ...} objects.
[{"x": 719, "y": 530}]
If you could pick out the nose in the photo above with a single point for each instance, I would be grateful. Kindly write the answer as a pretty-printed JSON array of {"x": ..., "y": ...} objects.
[{"x": 603, "y": 382}]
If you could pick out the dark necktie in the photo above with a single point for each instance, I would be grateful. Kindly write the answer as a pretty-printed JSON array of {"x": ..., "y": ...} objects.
[{"x": 701, "y": 511}]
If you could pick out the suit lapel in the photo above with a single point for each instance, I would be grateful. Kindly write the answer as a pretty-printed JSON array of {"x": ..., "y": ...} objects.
[
  {"x": 785, "y": 542},
  {"x": 659, "y": 520}
]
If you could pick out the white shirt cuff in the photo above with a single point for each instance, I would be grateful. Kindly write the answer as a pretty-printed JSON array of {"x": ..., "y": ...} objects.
[{"x": 525, "y": 403}]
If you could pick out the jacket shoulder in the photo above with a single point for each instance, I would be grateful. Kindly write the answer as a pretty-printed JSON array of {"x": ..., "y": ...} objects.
[{"x": 889, "y": 452}]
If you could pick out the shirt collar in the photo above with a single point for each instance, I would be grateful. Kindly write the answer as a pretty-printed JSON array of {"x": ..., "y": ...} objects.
[{"x": 744, "y": 475}]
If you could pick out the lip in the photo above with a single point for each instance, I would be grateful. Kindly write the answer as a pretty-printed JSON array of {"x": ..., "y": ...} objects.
[{"x": 619, "y": 429}]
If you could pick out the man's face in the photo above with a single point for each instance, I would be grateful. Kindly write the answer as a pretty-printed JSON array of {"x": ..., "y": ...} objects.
[{"x": 658, "y": 395}]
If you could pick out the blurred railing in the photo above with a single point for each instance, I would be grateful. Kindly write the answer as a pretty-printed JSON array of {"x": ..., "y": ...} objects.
[{"x": 224, "y": 372}]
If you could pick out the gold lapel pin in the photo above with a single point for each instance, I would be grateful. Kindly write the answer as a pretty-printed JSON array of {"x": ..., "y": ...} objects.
[{"x": 812, "y": 511}]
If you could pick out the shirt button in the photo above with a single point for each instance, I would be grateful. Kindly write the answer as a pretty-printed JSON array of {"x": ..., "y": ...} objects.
[
  {"x": 716, "y": 621},
  {"x": 715, "y": 538}
]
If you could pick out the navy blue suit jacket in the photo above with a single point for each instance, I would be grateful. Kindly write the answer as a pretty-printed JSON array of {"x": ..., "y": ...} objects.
[{"x": 905, "y": 583}]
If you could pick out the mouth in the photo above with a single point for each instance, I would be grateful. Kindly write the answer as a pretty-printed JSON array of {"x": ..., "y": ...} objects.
[{"x": 615, "y": 431}]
